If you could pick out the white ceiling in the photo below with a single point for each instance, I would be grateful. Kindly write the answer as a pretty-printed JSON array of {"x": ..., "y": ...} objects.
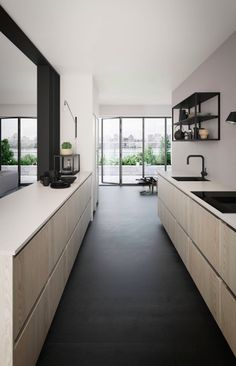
[
  {"x": 18, "y": 75},
  {"x": 137, "y": 50}
]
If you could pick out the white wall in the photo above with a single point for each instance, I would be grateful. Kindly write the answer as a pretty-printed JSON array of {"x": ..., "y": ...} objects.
[
  {"x": 217, "y": 73},
  {"x": 18, "y": 110},
  {"x": 78, "y": 90},
  {"x": 135, "y": 111}
]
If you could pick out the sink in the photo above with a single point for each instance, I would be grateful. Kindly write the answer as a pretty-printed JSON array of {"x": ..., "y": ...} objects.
[
  {"x": 191, "y": 179},
  {"x": 224, "y": 201}
]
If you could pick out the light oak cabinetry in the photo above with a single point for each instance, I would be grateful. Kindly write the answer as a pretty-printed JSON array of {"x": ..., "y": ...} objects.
[
  {"x": 167, "y": 219},
  {"x": 228, "y": 256},
  {"x": 228, "y": 317},
  {"x": 181, "y": 208},
  {"x": 207, "y": 247},
  {"x": 35, "y": 279},
  {"x": 181, "y": 243},
  {"x": 206, "y": 280},
  {"x": 204, "y": 230}
]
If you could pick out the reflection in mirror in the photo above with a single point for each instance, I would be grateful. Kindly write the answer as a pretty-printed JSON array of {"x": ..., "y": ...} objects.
[{"x": 18, "y": 118}]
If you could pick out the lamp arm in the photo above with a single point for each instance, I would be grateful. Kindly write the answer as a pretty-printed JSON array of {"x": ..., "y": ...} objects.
[{"x": 74, "y": 118}]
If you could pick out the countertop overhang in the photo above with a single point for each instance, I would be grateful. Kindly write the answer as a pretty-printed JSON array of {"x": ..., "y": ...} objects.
[
  {"x": 24, "y": 212},
  {"x": 211, "y": 185}
]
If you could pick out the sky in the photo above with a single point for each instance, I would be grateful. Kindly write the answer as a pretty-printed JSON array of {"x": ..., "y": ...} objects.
[{"x": 28, "y": 127}]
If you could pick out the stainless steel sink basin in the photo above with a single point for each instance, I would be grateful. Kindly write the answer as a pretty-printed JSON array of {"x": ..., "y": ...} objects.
[
  {"x": 224, "y": 201},
  {"x": 191, "y": 179}
]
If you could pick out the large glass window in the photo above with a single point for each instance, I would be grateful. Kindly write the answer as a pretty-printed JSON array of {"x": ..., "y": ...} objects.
[
  {"x": 110, "y": 156},
  {"x": 9, "y": 144},
  {"x": 28, "y": 150},
  {"x": 19, "y": 147},
  {"x": 132, "y": 148}
]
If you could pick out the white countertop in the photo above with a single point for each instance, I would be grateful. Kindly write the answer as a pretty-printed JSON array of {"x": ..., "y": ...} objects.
[
  {"x": 25, "y": 211},
  {"x": 187, "y": 187}
]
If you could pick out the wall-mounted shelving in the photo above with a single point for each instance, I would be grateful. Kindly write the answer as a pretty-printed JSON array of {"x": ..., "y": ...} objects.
[{"x": 197, "y": 118}]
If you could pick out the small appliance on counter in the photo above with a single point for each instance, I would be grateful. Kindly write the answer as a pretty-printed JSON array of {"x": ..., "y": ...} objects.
[{"x": 67, "y": 164}]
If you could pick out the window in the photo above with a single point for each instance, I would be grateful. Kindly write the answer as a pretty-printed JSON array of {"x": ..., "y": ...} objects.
[
  {"x": 132, "y": 148},
  {"x": 19, "y": 147}
]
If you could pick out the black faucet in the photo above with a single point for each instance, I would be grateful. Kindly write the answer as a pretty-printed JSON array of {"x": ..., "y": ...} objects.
[{"x": 203, "y": 172}]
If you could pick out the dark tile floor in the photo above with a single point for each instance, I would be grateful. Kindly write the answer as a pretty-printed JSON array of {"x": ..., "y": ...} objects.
[{"x": 129, "y": 299}]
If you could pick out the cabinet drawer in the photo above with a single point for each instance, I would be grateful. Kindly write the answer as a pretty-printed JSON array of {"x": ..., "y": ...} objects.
[
  {"x": 181, "y": 209},
  {"x": 182, "y": 243},
  {"x": 59, "y": 234},
  {"x": 167, "y": 220},
  {"x": 204, "y": 230},
  {"x": 228, "y": 256},
  {"x": 228, "y": 317},
  {"x": 205, "y": 279},
  {"x": 30, "y": 273},
  {"x": 166, "y": 193},
  {"x": 28, "y": 346}
]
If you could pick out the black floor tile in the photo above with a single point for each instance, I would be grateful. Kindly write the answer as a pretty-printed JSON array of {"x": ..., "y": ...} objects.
[{"x": 130, "y": 300}]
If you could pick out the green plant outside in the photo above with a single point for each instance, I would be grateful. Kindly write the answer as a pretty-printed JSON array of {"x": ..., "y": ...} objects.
[
  {"x": 149, "y": 157},
  {"x": 66, "y": 145},
  {"x": 7, "y": 156}
]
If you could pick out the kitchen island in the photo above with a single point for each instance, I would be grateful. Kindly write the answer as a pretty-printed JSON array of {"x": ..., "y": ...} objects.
[
  {"x": 41, "y": 233},
  {"x": 205, "y": 239}
]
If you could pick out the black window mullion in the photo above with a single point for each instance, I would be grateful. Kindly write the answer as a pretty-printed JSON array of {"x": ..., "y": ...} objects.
[
  {"x": 165, "y": 143},
  {"x": 19, "y": 151},
  {"x": 143, "y": 146},
  {"x": 120, "y": 153},
  {"x": 1, "y": 144},
  {"x": 102, "y": 158}
]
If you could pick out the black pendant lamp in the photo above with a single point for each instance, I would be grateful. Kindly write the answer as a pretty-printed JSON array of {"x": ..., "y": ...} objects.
[{"x": 231, "y": 118}]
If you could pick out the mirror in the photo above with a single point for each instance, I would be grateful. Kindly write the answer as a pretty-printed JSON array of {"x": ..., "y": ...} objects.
[{"x": 18, "y": 118}]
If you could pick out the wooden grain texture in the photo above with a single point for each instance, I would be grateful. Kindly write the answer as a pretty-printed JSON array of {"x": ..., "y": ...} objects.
[
  {"x": 181, "y": 208},
  {"x": 228, "y": 317},
  {"x": 59, "y": 235},
  {"x": 204, "y": 230},
  {"x": 166, "y": 193},
  {"x": 6, "y": 304},
  {"x": 182, "y": 244},
  {"x": 167, "y": 220},
  {"x": 228, "y": 256},
  {"x": 206, "y": 280},
  {"x": 30, "y": 273}
]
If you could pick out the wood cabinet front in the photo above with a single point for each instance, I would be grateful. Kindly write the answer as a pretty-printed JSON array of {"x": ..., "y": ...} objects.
[
  {"x": 228, "y": 256},
  {"x": 204, "y": 230},
  {"x": 206, "y": 280},
  {"x": 228, "y": 317},
  {"x": 30, "y": 272}
]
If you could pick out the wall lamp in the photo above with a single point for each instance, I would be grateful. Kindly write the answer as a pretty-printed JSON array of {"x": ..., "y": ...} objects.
[
  {"x": 66, "y": 104},
  {"x": 231, "y": 118}
]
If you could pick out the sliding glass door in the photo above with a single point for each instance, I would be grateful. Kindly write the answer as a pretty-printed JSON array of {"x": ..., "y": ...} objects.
[
  {"x": 110, "y": 152},
  {"x": 132, "y": 148}
]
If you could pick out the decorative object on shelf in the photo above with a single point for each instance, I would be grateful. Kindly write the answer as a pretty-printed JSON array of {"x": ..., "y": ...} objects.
[
  {"x": 183, "y": 115},
  {"x": 66, "y": 104},
  {"x": 66, "y": 148},
  {"x": 179, "y": 135},
  {"x": 194, "y": 118},
  {"x": 195, "y": 132},
  {"x": 231, "y": 118},
  {"x": 67, "y": 164},
  {"x": 203, "y": 133}
]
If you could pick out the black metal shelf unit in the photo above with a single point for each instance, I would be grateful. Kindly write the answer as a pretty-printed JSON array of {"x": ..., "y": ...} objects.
[{"x": 193, "y": 107}]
